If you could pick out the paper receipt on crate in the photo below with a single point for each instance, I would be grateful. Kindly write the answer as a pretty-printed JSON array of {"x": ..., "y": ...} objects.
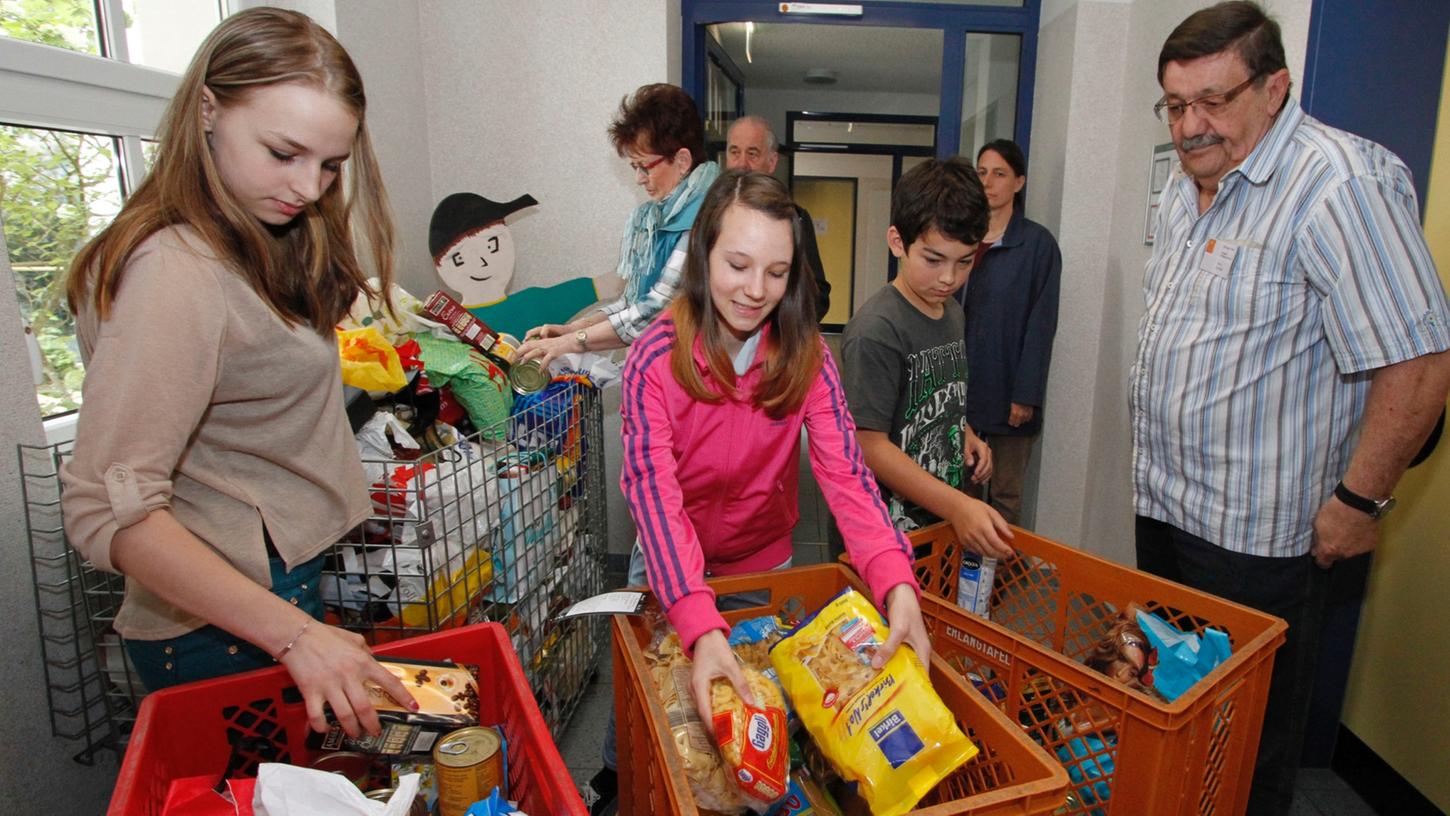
[
  {"x": 608, "y": 603},
  {"x": 886, "y": 730}
]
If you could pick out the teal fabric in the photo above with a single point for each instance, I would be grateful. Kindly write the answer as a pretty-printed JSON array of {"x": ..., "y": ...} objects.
[
  {"x": 537, "y": 305},
  {"x": 644, "y": 250}
]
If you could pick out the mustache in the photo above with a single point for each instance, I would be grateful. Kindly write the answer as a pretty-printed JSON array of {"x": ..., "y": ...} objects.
[{"x": 1204, "y": 140}]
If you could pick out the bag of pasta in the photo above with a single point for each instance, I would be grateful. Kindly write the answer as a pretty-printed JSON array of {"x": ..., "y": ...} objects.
[
  {"x": 710, "y": 781},
  {"x": 752, "y": 738},
  {"x": 886, "y": 730}
]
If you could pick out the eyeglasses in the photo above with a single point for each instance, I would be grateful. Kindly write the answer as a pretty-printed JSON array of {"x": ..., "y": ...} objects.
[
  {"x": 1210, "y": 105},
  {"x": 643, "y": 169}
]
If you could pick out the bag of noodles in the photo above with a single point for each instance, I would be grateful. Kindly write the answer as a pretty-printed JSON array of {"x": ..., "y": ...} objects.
[
  {"x": 885, "y": 730},
  {"x": 752, "y": 738}
]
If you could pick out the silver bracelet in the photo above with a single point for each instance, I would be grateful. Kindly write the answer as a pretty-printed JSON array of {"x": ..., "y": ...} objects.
[{"x": 292, "y": 642}]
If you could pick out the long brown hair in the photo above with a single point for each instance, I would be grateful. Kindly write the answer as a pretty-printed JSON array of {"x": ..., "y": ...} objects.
[
  {"x": 307, "y": 271},
  {"x": 793, "y": 350}
]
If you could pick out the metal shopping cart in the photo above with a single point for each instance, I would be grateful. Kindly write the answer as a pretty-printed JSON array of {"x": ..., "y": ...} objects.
[{"x": 507, "y": 524}]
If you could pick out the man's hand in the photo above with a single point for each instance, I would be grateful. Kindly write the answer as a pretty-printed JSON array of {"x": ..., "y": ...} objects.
[
  {"x": 1340, "y": 532},
  {"x": 979, "y": 456},
  {"x": 981, "y": 529},
  {"x": 1020, "y": 415}
]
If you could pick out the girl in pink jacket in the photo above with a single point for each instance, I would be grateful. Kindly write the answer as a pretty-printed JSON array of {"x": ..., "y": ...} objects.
[{"x": 715, "y": 394}]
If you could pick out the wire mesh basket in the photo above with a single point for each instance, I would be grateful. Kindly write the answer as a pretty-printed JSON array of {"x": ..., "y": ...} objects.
[{"x": 507, "y": 524}]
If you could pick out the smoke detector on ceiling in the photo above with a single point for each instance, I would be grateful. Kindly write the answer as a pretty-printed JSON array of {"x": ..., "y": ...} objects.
[{"x": 820, "y": 76}]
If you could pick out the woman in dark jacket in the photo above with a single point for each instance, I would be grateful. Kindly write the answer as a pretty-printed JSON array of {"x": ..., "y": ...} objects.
[{"x": 1011, "y": 306}]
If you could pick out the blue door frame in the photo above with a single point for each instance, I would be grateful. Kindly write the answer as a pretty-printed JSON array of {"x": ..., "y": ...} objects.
[{"x": 954, "y": 21}]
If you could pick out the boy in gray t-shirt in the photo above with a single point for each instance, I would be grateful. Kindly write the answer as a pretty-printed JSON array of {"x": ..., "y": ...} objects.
[{"x": 904, "y": 366}]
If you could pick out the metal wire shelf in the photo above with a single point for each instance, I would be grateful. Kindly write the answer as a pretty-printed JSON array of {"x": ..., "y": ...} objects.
[{"x": 509, "y": 531}]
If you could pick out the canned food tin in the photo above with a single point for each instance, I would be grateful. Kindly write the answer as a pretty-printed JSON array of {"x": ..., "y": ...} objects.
[
  {"x": 356, "y": 767},
  {"x": 528, "y": 377},
  {"x": 418, "y": 808},
  {"x": 469, "y": 765}
]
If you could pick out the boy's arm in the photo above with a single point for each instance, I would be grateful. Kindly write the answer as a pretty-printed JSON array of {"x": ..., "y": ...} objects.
[{"x": 979, "y": 527}]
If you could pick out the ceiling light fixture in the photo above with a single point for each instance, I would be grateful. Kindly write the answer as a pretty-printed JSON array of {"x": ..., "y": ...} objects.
[
  {"x": 820, "y": 76},
  {"x": 749, "y": 35}
]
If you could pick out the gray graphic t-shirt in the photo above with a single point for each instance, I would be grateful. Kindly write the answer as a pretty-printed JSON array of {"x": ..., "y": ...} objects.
[{"x": 905, "y": 374}]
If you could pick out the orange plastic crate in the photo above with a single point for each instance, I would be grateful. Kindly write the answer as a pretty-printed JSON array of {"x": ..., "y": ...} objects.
[
  {"x": 1010, "y": 775},
  {"x": 184, "y": 731},
  {"x": 1048, "y": 607}
]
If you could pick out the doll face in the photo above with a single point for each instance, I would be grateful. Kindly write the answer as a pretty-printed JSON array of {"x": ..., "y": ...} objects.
[
  {"x": 480, "y": 266},
  {"x": 1137, "y": 659}
]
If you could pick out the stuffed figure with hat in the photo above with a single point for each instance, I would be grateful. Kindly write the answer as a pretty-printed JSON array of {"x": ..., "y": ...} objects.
[{"x": 473, "y": 251}]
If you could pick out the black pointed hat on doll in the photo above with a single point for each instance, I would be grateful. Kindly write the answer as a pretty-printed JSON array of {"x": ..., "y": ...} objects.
[{"x": 462, "y": 213}]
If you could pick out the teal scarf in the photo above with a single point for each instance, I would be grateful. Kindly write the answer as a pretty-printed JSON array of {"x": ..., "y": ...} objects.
[{"x": 644, "y": 251}]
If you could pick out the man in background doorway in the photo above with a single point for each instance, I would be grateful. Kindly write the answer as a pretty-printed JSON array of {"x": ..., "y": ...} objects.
[
  {"x": 1292, "y": 355},
  {"x": 751, "y": 145}
]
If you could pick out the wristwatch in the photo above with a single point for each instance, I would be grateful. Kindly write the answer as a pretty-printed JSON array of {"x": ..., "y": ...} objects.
[
  {"x": 582, "y": 338},
  {"x": 1374, "y": 508}
]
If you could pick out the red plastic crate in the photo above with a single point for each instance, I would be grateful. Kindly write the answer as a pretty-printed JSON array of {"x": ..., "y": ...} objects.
[{"x": 184, "y": 731}]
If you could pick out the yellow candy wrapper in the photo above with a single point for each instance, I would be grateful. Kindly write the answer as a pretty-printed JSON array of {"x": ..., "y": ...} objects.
[{"x": 886, "y": 730}]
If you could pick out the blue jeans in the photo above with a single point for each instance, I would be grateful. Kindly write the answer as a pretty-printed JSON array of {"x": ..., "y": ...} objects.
[
  {"x": 212, "y": 652},
  {"x": 637, "y": 577}
]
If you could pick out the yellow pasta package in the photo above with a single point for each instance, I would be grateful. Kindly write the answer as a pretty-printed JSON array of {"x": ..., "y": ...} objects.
[{"x": 886, "y": 730}]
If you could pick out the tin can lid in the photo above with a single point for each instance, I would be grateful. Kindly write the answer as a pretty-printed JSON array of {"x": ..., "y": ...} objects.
[
  {"x": 528, "y": 377},
  {"x": 466, "y": 747}
]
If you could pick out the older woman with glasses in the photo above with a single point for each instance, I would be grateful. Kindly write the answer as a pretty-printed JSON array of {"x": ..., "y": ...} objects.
[{"x": 659, "y": 131}]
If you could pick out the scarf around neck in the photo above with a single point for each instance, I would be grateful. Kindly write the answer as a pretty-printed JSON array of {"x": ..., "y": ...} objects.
[{"x": 643, "y": 251}]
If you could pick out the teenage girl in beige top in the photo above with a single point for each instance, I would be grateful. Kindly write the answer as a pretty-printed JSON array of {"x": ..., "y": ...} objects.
[{"x": 213, "y": 463}]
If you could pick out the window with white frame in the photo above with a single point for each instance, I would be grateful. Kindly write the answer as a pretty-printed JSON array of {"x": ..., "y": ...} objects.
[{"x": 83, "y": 84}]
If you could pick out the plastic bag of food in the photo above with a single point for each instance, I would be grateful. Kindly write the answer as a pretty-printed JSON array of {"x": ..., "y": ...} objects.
[
  {"x": 369, "y": 361},
  {"x": 752, "y": 738},
  {"x": 710, "y": 782},
  {"x": 886, "y": 730}
]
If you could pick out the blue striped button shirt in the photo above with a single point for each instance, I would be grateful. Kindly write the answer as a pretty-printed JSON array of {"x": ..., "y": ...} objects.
[{"x": 1265, "y": 318}]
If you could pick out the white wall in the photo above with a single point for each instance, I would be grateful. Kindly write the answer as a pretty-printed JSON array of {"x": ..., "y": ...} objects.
[
  {"x": 384, "y": 41},
  {"x": 519, "y": 97}
]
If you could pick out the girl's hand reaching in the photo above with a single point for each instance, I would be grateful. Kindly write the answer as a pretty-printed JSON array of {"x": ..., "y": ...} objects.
[
  {"x": 713, "y": 659},
  {"x": 329, "y": 666},
  {"x": 903, "y": 615}
]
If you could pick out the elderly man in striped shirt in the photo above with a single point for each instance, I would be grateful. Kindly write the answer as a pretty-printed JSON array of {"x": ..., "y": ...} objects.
[{"x": 1292, "y": 355}]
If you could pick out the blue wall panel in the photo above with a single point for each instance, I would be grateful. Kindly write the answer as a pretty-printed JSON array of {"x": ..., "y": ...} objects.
[{"x": 1374, "y": 67}]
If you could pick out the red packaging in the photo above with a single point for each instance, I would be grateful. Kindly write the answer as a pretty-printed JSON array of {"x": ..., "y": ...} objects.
[
  {"x": 752, "y": 739},
  {"x": 460, "y": 321}
]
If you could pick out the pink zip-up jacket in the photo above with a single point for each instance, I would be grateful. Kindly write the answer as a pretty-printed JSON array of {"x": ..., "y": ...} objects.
[{"x": 712, "y": 487}]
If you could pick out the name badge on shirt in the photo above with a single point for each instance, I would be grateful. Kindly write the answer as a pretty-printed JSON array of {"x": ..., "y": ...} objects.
[{"x": 1218, "y": 257}]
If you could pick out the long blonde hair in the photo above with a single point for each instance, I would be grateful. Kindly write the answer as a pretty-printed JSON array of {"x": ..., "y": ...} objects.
[{"x": 307, "y": 271}]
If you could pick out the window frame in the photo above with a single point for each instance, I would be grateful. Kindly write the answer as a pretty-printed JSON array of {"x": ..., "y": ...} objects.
[{"x": 51, "y": 88}]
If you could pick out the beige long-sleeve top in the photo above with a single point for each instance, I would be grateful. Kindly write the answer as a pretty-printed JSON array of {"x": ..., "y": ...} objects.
[{"x": 199, "y": 398}]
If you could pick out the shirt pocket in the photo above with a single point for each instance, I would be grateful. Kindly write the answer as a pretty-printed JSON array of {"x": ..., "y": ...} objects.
[{"x": 1256, "y": 287}]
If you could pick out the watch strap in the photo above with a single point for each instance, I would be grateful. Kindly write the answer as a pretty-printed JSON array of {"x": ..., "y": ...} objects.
[{"x": 1368, "y": 506}]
